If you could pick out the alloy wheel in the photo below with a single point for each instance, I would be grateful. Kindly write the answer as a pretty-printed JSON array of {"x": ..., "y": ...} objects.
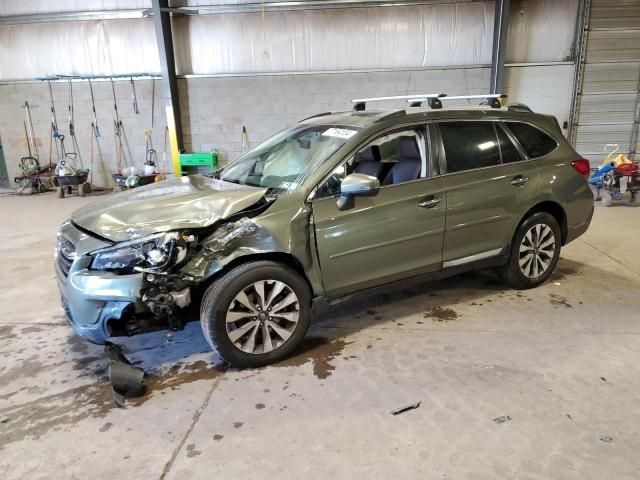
[
  {"x": 262, "y": 316},
  {"x": 537, "y": 249}
]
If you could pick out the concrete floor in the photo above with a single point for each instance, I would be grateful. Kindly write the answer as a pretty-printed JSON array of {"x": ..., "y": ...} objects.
[{"x": 562, "y": 361}]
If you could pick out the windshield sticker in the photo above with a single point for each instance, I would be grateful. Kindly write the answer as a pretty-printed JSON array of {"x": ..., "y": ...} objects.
[{"x": 339, "y": 132}]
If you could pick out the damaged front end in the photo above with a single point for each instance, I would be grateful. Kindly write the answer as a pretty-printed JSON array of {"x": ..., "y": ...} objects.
[
  {"x": 154, "y": 260},
  {"x": 172, "y": 267},
  {"x": 228, "y": 243},
  {"x": 154, "y": 280}
]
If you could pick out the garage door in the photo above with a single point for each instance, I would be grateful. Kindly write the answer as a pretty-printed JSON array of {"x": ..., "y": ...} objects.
[{"x": 609, "y": 100}]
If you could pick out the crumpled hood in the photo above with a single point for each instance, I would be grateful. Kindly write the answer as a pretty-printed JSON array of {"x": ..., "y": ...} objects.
[{"x": 185, "y": 202}]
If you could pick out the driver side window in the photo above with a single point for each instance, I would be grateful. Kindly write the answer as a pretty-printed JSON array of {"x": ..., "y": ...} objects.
[{"x": 393, "y": 158}]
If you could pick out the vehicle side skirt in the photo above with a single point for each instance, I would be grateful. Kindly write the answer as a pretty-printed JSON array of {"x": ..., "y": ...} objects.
[{"x": 322, "y": 305}]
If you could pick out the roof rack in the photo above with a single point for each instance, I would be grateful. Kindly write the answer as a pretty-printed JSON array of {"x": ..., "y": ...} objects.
[
  {"x": 434, "y": 100},
  {"x": 360, "y": 103},
  {"x": 494, "y": 99}
]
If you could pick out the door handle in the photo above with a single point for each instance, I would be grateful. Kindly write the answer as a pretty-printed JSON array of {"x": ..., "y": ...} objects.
[
  {"x": 519, "y": 180},
  {"x": 429, "y": 202}
]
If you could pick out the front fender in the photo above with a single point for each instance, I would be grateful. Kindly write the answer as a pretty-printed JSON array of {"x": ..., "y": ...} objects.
[{"x": 282, "y": 232}]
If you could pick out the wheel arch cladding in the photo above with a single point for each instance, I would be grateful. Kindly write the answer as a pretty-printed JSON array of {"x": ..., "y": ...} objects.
[
  {"x": 282, "y": 258},
  {"x": 552, "y": 208}
]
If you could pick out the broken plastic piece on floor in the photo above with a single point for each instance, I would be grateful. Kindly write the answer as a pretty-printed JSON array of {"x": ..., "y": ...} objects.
[
  {"x": 502, "y": 419},
  {"x": 4, "y": 419},
  {"x": 127, "y": 381},
  {"x": 114, "y": 353},
  {"x": 406, "y": 408},
  {"x": 606, "y": 439}
]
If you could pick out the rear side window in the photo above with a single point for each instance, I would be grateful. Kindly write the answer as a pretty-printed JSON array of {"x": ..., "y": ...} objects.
[
  {"x": 469, "y": 145},
  {"x": 534, "y": 142},
  {"x": 508, "y": 150}
]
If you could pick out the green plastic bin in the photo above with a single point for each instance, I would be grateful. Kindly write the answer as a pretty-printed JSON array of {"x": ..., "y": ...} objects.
[{"x": 198, "y": 162}]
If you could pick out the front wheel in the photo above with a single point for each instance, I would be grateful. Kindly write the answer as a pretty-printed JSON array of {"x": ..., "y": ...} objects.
[
  {"x": 535, "y": 251},
  {"x": 256, "y": 314}
]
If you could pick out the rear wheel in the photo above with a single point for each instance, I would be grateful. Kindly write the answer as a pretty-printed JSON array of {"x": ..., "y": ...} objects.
[
  {"x": 535, "y": 251},
  {"x": 256, "y": 314}
]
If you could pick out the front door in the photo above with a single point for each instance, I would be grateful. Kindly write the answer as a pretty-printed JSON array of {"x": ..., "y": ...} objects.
[{"x": 395, "y": 234}]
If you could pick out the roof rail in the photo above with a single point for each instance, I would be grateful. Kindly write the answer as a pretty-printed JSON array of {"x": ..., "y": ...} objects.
[
  {"x": 519, "y": 107},
  {"x": 360, "y": 103},
  {"x": 494, "y": 99},
  {"x": 391, "y": 114},
  {"x": 316, "y": 115}
]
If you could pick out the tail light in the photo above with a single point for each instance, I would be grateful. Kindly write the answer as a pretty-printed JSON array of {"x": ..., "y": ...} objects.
[{"x": 582, "y": 167}]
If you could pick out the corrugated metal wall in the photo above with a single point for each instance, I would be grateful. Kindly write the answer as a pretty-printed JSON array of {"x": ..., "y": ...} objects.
[
  {"x": 349, "y": 39},
  {"x": 610, "y": 92}
]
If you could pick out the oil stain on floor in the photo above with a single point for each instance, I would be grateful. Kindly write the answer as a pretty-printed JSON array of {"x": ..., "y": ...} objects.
[
  {"x": 440, "y": 314},
  {"x": 64, "y": 409},
  {"x": 52, "y": 412},
  {"x": 559, "y": 301},
  {"x": 177, "y": 376},
  {"x": 94, "y": 400},
  {"x": 319, "y": 351}
]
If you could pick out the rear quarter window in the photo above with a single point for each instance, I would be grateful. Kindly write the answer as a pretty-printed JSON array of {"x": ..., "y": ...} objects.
[{"x": 535, "y": 142}]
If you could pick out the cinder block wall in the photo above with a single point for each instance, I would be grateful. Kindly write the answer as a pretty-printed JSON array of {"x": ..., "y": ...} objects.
[{"x": 214, "y": 110}]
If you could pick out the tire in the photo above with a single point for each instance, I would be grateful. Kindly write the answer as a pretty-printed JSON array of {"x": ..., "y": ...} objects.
[
  {"x": 532, "y": 239},
  {"x": 239, "y": 291},
  {"x": 60, "y": 192},
  {"x": 606, "y": 199},
  {"x": 82, "y": 191}
]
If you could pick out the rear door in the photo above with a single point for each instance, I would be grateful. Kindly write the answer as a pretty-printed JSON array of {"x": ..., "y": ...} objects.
[
  {"x": 489, "y": 185},
  {"x": 395, "y": 234}
]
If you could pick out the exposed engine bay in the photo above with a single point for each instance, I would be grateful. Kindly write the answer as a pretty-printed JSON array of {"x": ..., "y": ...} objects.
[{"x": 174, "y": 265}]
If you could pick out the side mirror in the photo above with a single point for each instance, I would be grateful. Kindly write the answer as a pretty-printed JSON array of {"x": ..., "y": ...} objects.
[{"x": 357, "y": 185}]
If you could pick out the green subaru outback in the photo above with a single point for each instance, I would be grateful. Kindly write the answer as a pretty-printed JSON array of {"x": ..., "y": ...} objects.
[{"x": 339, "y": 204}]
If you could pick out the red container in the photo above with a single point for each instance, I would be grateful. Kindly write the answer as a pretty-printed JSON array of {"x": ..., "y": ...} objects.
[{"x": 627, "y": 169}]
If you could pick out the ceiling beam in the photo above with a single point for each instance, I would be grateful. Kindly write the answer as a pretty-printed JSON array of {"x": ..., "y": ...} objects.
[
  {"x": 255, "y": 7},
  {"x": 277, "y": 6},
  {"x": 71, "y": 16},
  {"x": 500, "y": 29}
]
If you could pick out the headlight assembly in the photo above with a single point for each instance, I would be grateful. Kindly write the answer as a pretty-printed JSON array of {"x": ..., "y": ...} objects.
[{"x": 155, "y": 252}]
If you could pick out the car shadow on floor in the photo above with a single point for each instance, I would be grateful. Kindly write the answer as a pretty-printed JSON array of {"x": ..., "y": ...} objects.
[{"x": 435, "y": 299}]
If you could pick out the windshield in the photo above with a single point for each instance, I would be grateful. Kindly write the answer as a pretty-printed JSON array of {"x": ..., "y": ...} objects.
[{"x": 285, "y": 160}]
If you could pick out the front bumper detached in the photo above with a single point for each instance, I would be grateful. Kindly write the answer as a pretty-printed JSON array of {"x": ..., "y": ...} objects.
[
  {"x": 91, "y": 300},
  {"x": 99, "y": 331}
]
